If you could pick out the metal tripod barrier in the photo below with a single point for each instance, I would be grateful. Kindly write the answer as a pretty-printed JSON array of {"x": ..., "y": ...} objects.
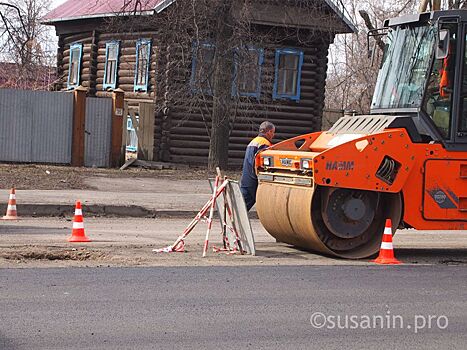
[{"x": 240, "y": 221}]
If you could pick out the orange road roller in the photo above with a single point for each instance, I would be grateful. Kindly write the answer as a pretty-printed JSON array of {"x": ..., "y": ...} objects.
[{"x": 332, "y": 191}]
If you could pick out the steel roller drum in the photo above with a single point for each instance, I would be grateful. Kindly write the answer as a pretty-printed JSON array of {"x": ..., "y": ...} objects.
[{"x": 292, "y": 214}]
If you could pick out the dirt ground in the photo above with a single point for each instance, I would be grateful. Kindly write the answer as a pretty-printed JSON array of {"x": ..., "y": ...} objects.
[
  {"x": 42, "y": 242},
  {"x": 51, "y": 177}
]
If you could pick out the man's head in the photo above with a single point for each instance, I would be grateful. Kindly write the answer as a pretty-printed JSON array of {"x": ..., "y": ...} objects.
[{"x": 267, "y": 129}]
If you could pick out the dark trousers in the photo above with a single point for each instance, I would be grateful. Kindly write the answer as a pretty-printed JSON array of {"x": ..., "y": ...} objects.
[{"x": 249, "y": 195}]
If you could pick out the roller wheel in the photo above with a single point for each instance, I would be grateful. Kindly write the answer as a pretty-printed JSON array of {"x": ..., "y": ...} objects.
[{"x": 342, "y": 222}]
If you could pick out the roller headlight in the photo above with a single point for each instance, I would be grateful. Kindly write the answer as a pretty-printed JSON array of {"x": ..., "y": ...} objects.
[
  {"x": 267, "y": 161},
  {"x": 306, "y": 164}
]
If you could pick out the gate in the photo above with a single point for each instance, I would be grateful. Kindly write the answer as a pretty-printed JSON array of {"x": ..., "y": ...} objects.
[
  {"x": 98, "y": 132},
  {"x": 57, "y": 128}
]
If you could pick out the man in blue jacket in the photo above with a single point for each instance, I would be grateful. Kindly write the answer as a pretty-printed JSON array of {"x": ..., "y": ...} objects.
[{"x": 249, "y": 181}]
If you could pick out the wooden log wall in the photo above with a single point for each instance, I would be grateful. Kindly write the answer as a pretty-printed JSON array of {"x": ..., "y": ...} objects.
[
  {"x": 93, "y": 62},
  {"x": 188, "y": 139},
  {"x": 86, "y": 38},
  {"x": 127, "y": 63},
  {"x": 180, "y": 129}
]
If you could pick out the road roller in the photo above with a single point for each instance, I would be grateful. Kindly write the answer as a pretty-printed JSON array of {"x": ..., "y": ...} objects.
[{"x": 332, "y": 191}]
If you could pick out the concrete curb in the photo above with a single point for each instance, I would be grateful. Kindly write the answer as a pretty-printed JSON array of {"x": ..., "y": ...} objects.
[{"x": 103, "y": 210}]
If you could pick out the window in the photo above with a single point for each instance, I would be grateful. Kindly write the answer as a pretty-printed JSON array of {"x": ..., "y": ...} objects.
[
  {"x": 438, "y": 99},
  {"x": 76, "y": 52},
  {"x": 143, "y": 58},
  {"x": 247, "y": 72},
  {"x": 405, "y": 67},
  {"x": 202, "y": 68},
  {"x": 463, "y": 116},
  {"x": 111, "y": 64},
  {"x": 287, "y": 74}
]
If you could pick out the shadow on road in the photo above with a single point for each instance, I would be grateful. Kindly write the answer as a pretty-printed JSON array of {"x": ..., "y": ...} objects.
[
  {"x": 449, "y": 256},
  {"x": 439, "y": 255},
  {"x": 32, "y": 230}
]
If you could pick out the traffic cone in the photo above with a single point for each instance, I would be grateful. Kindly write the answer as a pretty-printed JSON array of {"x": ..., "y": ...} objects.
[
  {"x": 78, "y": 235},
  {"x": 11, "y": 209},
  {"x": 386, "y": 253}
]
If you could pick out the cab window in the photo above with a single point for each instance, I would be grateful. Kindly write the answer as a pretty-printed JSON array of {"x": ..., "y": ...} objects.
[
  {"x": 463, "y": 115},
  {"x": 438, "y": 100}
]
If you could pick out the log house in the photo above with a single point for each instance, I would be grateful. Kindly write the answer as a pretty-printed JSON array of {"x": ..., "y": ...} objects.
[{"x": 284, "y": 81}]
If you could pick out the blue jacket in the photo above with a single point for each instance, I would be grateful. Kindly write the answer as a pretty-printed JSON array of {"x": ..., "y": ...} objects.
[{"x": 249, "y": 179}]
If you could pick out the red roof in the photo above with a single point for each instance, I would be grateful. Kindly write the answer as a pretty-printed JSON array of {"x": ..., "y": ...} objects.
[{"x": 73, "y": 9}]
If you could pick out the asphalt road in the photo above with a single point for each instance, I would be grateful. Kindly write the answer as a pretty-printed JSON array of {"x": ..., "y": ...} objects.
[{"x": 234, "y": 308}]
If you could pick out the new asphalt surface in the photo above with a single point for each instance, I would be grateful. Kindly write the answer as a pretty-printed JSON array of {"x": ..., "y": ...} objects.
[{"x": 287, "y": 307}]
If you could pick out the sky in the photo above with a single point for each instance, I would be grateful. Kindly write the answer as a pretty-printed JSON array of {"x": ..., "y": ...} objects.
[{"x": 55, "y": 3}]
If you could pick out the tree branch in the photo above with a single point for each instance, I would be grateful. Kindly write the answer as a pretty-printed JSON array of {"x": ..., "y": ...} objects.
[{"x": 370, "y": 26}]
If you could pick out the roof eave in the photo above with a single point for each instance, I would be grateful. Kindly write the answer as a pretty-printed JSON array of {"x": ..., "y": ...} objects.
[
  {"x": 341, "y": 13},
  {"x": 163, "y": 5}
]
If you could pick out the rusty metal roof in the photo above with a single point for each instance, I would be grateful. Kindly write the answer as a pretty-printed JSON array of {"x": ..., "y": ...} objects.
[
  {"x": 73, "y": 9},
  {"x": 81, "y": 9}
]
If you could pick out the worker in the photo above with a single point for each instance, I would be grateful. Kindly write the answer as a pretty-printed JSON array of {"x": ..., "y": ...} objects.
[{"x": 249, "y": 181}]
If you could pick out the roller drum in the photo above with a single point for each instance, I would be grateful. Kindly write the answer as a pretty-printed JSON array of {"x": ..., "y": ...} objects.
[{"x": 305, "y": 217}]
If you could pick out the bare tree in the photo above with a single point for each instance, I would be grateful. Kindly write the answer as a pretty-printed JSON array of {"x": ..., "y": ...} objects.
[
  {"x": 27, "y": 64},
  {"x": 456, "y": 4}
]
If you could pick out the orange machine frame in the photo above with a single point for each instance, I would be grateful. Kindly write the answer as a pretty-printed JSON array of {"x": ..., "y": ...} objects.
[{"x": 431, "y": 180}]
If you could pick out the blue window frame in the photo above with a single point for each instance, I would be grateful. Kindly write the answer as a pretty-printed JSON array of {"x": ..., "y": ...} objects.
[
  {"x": 287, "y": 75},
  {"x": 74, "y": 72},
  {"x": 202, "y": 68},
  {"x": 247, "y": 72},
  {"x": 111, "y": 64},
  {"x": 143, "y": 60}
]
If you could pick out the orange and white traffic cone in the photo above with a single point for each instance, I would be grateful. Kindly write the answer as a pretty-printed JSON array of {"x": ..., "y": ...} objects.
[
  {"x": 11, "y": 213},
  {"x": 78, "y": 235},
  {"x": 386, "y": 253}
]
